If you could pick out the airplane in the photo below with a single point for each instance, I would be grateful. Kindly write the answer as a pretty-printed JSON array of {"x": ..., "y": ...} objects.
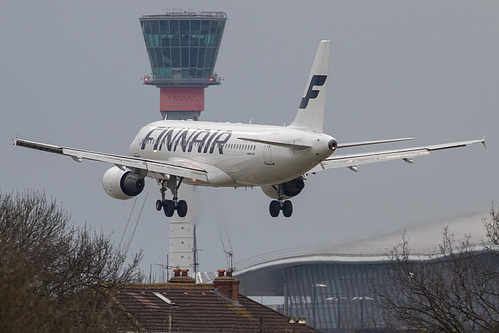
[{"x": 276, "y": 158}]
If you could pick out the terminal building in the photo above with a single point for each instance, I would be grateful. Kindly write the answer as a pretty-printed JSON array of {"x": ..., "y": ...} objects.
[{"x": 331, "y": 285}]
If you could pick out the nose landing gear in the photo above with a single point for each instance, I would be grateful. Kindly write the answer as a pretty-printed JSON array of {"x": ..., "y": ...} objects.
[{"x": 170, "y": 206}]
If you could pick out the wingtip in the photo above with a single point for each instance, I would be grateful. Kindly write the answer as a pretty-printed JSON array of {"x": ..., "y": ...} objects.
[
  {"x": 484, "y": 143},
  {"x": 14, "y": 140}
]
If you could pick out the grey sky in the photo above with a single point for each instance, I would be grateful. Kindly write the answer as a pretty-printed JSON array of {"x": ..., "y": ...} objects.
[{"x": 70, "y": 74}]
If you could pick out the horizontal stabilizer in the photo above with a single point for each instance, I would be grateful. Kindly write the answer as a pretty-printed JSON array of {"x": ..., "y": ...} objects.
[
  {"x": 407, "y": 154},
  {"x": 367, "y": 143}
]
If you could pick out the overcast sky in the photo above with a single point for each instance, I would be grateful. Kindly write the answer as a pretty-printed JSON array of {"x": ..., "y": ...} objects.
[{"x": 70, "y": 75}]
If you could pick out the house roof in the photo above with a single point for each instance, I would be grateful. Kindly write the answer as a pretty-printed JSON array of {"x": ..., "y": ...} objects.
[{"x": 191, "y": 307}]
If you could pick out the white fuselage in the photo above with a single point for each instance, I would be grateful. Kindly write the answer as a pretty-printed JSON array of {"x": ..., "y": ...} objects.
[{"x": 226, "y": 151}]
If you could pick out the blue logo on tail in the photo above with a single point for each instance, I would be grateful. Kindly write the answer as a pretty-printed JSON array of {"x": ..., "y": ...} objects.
[{"x": 317, "y": 80}]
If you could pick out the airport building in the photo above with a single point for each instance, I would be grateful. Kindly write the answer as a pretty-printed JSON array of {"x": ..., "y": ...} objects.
[{"x": 331, "y": 285}]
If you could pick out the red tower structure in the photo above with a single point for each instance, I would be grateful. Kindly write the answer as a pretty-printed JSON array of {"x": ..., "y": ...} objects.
[{"x": 183, "y": 48}]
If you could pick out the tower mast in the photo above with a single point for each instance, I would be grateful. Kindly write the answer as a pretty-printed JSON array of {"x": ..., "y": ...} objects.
[{"x": 182, "y": 46}]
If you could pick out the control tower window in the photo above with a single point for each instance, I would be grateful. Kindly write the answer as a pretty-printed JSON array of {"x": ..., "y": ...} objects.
[
  {"x": 174, "y": 33},
  {"x": 184, "y": 33},
  {"x": 187, "y": 43}
]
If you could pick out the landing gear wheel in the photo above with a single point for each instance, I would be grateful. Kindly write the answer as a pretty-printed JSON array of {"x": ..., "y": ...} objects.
[
  {"x": 287, "y": 208},
  {"x": 274, "y": 208},
  {"x": 182, "y": 208},
  {"x": 168, "y": 207}
]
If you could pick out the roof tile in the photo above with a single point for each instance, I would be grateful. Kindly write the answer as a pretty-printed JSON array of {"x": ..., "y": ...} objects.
[{"x": 196, "y": 308}]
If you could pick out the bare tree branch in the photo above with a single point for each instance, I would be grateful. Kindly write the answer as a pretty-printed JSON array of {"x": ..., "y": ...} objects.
[
  {"x": 55, "y": 277},
  {"x": 453, "y": 290}
]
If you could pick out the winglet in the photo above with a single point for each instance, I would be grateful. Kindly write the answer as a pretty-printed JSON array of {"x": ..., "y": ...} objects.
[
  {"x": 14, "y": 141},
  {"x": 483, "y": 141}
]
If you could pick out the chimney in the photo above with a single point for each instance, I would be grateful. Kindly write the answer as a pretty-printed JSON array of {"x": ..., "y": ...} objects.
[
  {"x": 227, "y": 286},
  {"x": 181, "y": 276}
]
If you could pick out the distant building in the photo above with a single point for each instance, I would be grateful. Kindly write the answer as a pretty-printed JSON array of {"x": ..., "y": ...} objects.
[
  {"x": 182, "y": 305},
  {"x": 331, "y": 285}
]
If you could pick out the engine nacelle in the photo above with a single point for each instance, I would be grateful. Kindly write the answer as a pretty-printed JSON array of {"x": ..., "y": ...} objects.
[
  {"x": 289, "y": 189},
  {"x": 121, "y": 184}
]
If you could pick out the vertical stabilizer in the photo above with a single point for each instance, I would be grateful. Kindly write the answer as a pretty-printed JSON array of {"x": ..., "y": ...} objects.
[{"x": 310, "y": 115}]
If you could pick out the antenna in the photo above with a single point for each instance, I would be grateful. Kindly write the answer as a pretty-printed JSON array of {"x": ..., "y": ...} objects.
[
  {"x": 229, "y": 253},
  {"x": 162, "y": 268},
  {"x": 195, "y": 250}
]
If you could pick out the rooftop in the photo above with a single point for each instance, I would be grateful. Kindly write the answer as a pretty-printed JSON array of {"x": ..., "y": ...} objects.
[
  {"x": 187, "y": 14},
  {"x": 264, "y": 275},
  {"x": 184, "y": 306},
  {"x": 423, "y": 241}
]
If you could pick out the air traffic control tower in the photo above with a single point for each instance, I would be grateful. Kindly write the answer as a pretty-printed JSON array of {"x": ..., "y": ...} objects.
[{"x": 183, "y": 48}]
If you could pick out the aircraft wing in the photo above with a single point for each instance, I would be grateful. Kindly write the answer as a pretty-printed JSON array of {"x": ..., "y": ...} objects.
[
  {"x": 151, "y": 166},
  {"x": 353, "y": 160}
]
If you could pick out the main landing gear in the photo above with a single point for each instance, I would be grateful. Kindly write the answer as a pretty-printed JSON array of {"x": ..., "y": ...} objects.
[
  {"x": 277, "y": 205},
  {"x": 170, "y": 206}
]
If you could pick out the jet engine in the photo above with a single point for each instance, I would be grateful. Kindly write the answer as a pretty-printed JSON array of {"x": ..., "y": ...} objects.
[
  {"x": 289, "y": 189},
  {"x": 121, "y": 184}
]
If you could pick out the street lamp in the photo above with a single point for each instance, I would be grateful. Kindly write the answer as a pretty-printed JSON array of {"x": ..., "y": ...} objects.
[
  {"x": 319, "y": 285},
  {"x": 361, "y": 299},
  {"x": 337, "y": 298}
]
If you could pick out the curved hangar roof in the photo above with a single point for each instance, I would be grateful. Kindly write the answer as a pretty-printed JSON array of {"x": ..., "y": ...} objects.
[{"x": 263, "y": 275}]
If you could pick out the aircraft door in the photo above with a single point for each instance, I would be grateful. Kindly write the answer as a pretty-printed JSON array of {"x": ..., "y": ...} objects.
[
  {"x": 136, "y": 146},
  {"x": 267, "y": 151}
]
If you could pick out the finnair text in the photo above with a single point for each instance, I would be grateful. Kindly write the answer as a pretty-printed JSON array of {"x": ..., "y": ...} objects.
[{"x": 186, "y": 139}]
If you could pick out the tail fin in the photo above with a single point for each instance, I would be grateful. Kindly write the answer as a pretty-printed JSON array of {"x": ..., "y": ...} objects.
[{"x": 310, "y": 115}]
